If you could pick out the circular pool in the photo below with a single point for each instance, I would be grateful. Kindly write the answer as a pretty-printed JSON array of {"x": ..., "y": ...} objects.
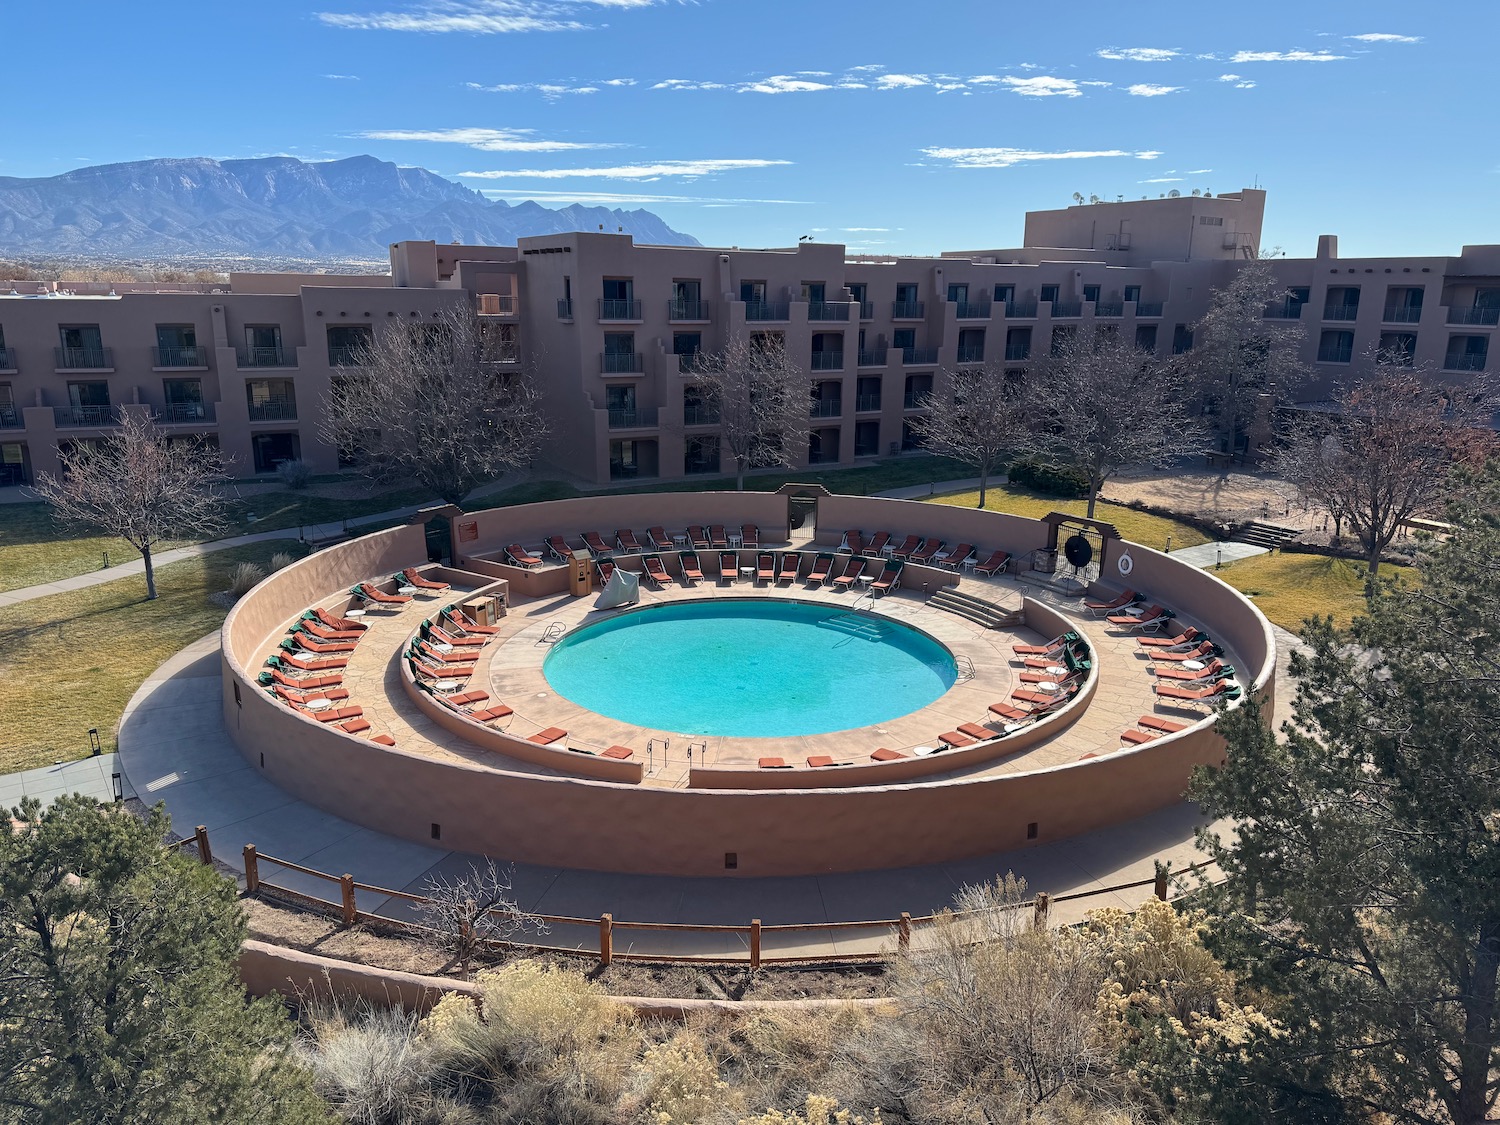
[{"x": 751, "y": 669}]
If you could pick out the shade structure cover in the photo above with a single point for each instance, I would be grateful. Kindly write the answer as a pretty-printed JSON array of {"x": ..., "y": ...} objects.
[{"x": 623, "y": 588}]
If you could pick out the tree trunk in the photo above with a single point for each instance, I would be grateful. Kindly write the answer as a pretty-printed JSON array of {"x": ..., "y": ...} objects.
[
  {"x": 150, "y": 573},
  {"x": 1094, "y": 486},
  {"x": 1373, "y": 561},
  {"x": 739, "y": 474},
  {"x": 984, "y": 483},
  {"x": 1477, "y": 1048}
]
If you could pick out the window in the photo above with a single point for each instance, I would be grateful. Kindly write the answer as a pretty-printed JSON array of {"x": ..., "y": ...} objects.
[
  {"x": 867, "y": 439},
  {"x": 1182, "y": 339},
  {"x": 177, "y": 346},
  {"x": 701, "y": 454},
  {"x": 699, "y": 406},
  {"x": 1133, "y": 293},
  {"x": 1403, "y": 305},
  {"x": 1336, "y": 347},
  {"x": 958, "y": 292},
  {"x": 860, "y": 292},
  {"x": 687, "y": 300},
  {"x": 618, "y": 301},
  {"x": 1017, "y": 343},
  {"x": 1466, "y": 353},
  {"x": 753, "y": 292},
  {"x": 910, "y": 438},
  {"x": 904, "y": 339},
  {"x": 271, "y": 400},
  {"x": 619, "y": 353},
  {"x": 1005, "y": 294},
  {"x": 184, "y": 399},
  {"x": 918, "y": 387},
  {"x": 813, "y": 292},
  {"x": 1091, "y": 293},
  {"x": 262, "y": 346},
  {"x": 906, "y": 293},
  {"x": 1398, "y": 347},
  {"x": 867, "y": 393},
  {"x": 1341, "y": 303},
  {"x": 1049, "y": 293},
  {"x": 687, "y": 343},
  {"x": 81, "y": 347},
  {"x": 1210, "y": 220},
  {"x": 619, "y": 288},
  {"x": 1145, "y": 337},
  {"x": 620, "y": 398},
  {"x": 13, "y": 463},
  {"x": 348, "y": 344},
  {"x": 971, "y": 345},
  {"x": 271, "y": 450}
]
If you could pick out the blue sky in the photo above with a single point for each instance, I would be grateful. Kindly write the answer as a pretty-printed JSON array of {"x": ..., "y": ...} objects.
[{"x": 892, "y": 127}]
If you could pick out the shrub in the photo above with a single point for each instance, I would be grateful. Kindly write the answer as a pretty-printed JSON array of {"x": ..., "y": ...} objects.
[
  {"x": 279, "y": 561},
  {"x": 296, "y": 475},
  {"x": 1053, "y": 480},
  {"x": 244, "y": 577},
  {"x": 679, "y": 1082},
  {"x": 370, "y": 1063}
]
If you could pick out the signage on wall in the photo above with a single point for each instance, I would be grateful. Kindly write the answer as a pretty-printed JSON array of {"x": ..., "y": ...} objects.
[{"x": 468, "y": 532}]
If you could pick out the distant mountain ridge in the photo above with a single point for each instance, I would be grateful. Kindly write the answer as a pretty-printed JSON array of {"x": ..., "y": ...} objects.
[{"x": 275, "y": 206}]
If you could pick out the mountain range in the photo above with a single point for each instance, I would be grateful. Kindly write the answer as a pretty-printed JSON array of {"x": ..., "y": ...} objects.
[{"x": 275, "y": 207}]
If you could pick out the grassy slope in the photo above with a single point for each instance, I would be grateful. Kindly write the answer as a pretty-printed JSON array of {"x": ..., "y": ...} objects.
[
  {"x": 1138, "y": 527},
  {"x": 1290, "y": 588}
]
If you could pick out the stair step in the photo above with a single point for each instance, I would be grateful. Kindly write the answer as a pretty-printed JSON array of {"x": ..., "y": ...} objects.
[
  {"x": 983, "y": 612},
  {"x": 1260, "y": 534}
]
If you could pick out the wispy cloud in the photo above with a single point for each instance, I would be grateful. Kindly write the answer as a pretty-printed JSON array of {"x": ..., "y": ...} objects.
[
  {"x": 1197, "y": 171},
  {"x": 865, "y": 230},
  {"x": 1240, "y": 83},
  {"x": 1139, "y": 54},
  {"x": 603, "y": 198},
  {"x": 618, "y": 82},
  {"x": 1385, "y": 37},
  {"x": 481, "y": 17},
  {"x": 547, "y": 90},
  {"x": 343, "y": 77},
  {"x": 1010, "y": 157},
  {"x": 1043, "y": 86},
  {"x": 1285, "y": 56},
  {"x": 688, "y": 84},
  {"x": 783, "y": 84},
  {"x": 485, "y": 140},
  {"x": 1150, "y": 90},
  {"x": 1161, "y": 180},
  {"x": 656, "y": 171}
]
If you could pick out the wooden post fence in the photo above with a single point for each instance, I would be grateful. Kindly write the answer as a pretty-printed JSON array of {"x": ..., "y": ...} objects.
[
  {"x": 606, "y": 938},
  {"x": 1039, "y": 910},
  {"x": 346, "y": 885},
  {"x": 1162, "y": 870},
  {"x": 252, "y": 870},
  {"x": 205, "y": 853},
  {"x": 755, "y": 943},
  {"x": 903, "y": 932}
]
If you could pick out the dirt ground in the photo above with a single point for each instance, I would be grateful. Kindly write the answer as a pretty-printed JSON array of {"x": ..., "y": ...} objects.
[{"x": 1227, "y": 496}]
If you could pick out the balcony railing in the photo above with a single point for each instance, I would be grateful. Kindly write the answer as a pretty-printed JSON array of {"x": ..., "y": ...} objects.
[
  {"x": 506, "y": 351},
  {"x": 612, "y": 308},
  {"x": 497, "y": 304},
  {"x": 972, "y": 310},
  {"x": 565, "y": 308},
  {"x": 690, "y": 363},
  {"x": 340, "y": 356},
  {"x": 632, "y": 419},
  {"x": 1340, "y": 312},
  {"x": 1148, "y": 308},
  {"x": 85, "y": 359},
  {"x": 184, "y": 413},
  {"x": 1280, "y": 310},
  {"x": 867, "y": 310},
  {"x": 827, "y": 310},
  {"x": 865, "y": 404},
  {"x": 918, "y": 355},
  {"x": 906, "y": 310},
  {"x": 620, "y": 363},
  {"x": 1336, "y": 353},
  {"x": 687, "y": 310},
  {"x": 179, "y": 355},
  {"x": 263, "y": 357},
  {"x": 915, "y": 400},
  {"x": 872, "y": 357},
  {"x": 274, "y": 410},
  {"x": 1017, "y": 351},
  {"x": 1108, "y": 310},
  {"x": 1455, "y": 316},
  {"x": 1020, "y": 310},
  {"x": 766, "y": 310},
  {"x": 828, "y": 361},
  {"x": 826, "y": 408},
  {"x": 698, "y": 415},
  {"x": 1066, "y": 309},
  {"x": 971, "y": 354},
  {"x": 86, "y": 416},
  {"x": 1464, "y": 361},
  {"x": 10, "y": 418},
  {"x": 7, "y": 359},
  {"x": 1401, "y": 314}
]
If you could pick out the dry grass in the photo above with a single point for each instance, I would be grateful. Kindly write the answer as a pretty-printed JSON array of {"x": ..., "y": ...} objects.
[
  {"x": 1138, "y": 527},
  {"x": 1290, "y": 588}
]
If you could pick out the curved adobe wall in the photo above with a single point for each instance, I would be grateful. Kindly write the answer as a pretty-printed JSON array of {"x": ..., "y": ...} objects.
[{"x": 601, "y": 825}]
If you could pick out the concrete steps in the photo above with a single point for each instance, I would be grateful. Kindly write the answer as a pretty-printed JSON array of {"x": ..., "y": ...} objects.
[
  {"x": 1267, "y": 535},
  {"x": 986, "y": 613},
  {"x": 855, "y": 625}
]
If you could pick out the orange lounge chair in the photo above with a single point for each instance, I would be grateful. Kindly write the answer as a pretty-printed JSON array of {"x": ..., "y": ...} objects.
[
  {"x": 1010, "y": 713},
  {"x": 853, "y": 542},
  {"x": 413, "y": 578},
  {"x": 620, "y": 753},
  {"x": 451, "y": 617},
  {"x": 656, "y": 571},
  {"x": 1214, "y": 669},
  {"x": 851, "y": 573},
  {"x": 1136, "y": 737},
  {"x": 729, "y": 566},
  {"x": 697, "y": 537},
  {"x": 791, "y": 561},
  {"x": 312, "y": 664},
  {"x": 749, "y": 536},
  {"x": 356, "y": 726},
  {"x": 304, "y": 683},
  {"x": 437, "y": 633},
  {"x": 956, "y": 739},
  {"x": 906, "y": 547},
  {"x": 1156, "y": 722},
  {"x": 658, "y": 538},
  {"x": 594, "y": 543},
  {"x": 878, "y": 543},
  {"x": 955, "y": 558},
  {"x": 549, "y": 736},
  {"x": 1206, "y": 650},
  {"x": 315, "y": 628},
  {"x": 890, "y": 578},
  {"x": 440, "y": 672},
  {"x": 692, "y": 570},
  {"x": 625, "y": 539},
  {"x": 558, "y": 548},
  {"x": 1154, "y": 618},
  {"x": 478, "y": 714},
  {"x": 818, "y": 576},
  {"x": 765, "y": 569},
  {"x": 885, "y": 755},
  {"x": 370, "y": 593},
  {"x": 312, "y": 644},
  {"x": 334, "y": 621},
  {"x": 606, "y": 569},
  {"x": 1046, "y": 648},
  {"x": 333, "y": 695},
  {"x": 995, "y": 564},
  {"x": 434, "y": 654},
  {"x": 717, "y": 539},
  {"x": 1124, "y": 598},
  {"x": 520, "y": 556},
  {"x": 463, "y": 698},
  {"x": 1064, "y": 690},
  {"x": 926, "y": 552},
  {"x": 818, "y": 761},
  {"x": 330, "y": 714},
  {"x": 773, "y": 764},
  {"x": 383, "y": 739},
  {"x": 1186, "y": 639},
  {"x": 1225, "y": 688}
]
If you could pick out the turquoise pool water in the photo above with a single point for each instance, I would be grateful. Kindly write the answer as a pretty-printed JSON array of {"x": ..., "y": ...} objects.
[{"x": 749, "y": 668}]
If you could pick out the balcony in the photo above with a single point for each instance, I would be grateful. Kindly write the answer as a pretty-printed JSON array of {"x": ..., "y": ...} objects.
[
  {"x": 86, "y": 416},
  {"x": 505, "y": 351},
  {"x": 694, "y": 414},
  {"x": 344, "y": 356},
  {"x": 274, "y": 410},
  {"x": 1402, "y": 314},
  {"x": 565, "y": 308},
  {"x": 826, "y": 408},
  {"x": 1455, "y": 316},
  {"x": 1148, "y": 308},
  {"x": 867, "y": 310},
  {"x": 1464, "y": 361},
  {"x": 687, "y": 310},
  {"x": 7, "y": 359},
  {"x": 496, "y": 304},
  {"x": 1020, "y": 310},
  {"x": 906, "y": 310},
  {"x": 612, "y": 308},
  {"x": 766, "y": 310},
  {"x": 10, "y": 418},
  {"x": 1336, "y": 353},
  {"x": 1279, "y": 310},
  {"x": 184, "y": 413},
  {"x": 916, "y": 400},
  {"x": 1108, "y": 310},
  {"x": 621, "y": 363},
  {"x": 972, "y": 310},
  {"x": 911, "y": 356},
  {"x": 872, "y": 357},
  {"x": 971, "y": 354},
  {"x": 264, "y": 357},
  {"x": 1341, "y": 312},
  {"x": 179, "y": 355},
  {"x": 1066, "y": 309},
  {"x": 85, "y": 359},
  {"x": 827, "y": 310},
  {"x": 691, "y": 363},
  {"x": 867, "y": 404},
  {"x": 828, "y": 361},
  {"x": 1014, "y": 352},
  {"x": 633, "y": 419}
]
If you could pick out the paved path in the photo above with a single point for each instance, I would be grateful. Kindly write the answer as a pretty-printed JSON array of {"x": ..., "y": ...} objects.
[
  {"x": 92, "y": 777},
  {"x": 1208, "y": 555}
]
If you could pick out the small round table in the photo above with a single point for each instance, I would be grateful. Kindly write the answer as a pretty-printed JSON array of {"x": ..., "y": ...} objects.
[
  {"x": 680, "y": 539},
  {"x": 1194, "y": 665},
  {"x": 408, "y": 591},
  {"x": 736, "y": 540},
  {"x": 1049, "y": 686},
  {"x": 318, "y": 704},
  {"x": 923, "y": 751},
  {"x": 1055, "y": 670},
  {"x": 747, "y": 571},
  {"x": 447, "y": 685},
  {"x": 355, "y": 614}
]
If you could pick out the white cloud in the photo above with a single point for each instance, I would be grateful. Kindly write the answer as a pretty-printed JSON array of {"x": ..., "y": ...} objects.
[
  {"x": 866, "y": 67},
  {"x": 1161, "y": 180},
  {"x": 343, "y": 77},
  {"x": 687, "y": 84},
  {"x": 1150, "y": 90},
  {"x": 1285, "y": 56},
  {"x": 783, "y": 84},
  {"x": 901, "y": 81},
  {"x": 1197, "y": 171},
  {"x": 1139, "y": 54},
  {"x": 654, "y": 171},
  {"x": 1148, "y": 154},
  {"x": 619, "y": 82},
  {"x": 1386, "y": 37},
  {"x": 479, "y": 17},
  {"x": 605, "y": 198},
  {"x": 1239, "y": 82},
  {"x": 865, "y": 230},
  {"x": 485, "y": 140},
  {"x": 1044, "y": 86},
  {"x": 547, "y": 90},
  {"x": 1010, "y": 157}
]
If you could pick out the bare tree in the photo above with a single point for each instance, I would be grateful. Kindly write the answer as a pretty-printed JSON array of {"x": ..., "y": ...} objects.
[
  {"x": 761, "y": 397},
  {"x": 1382, "y": 456},
  {"x": 978, "y": 423},
  {"x": 464, "y": 913},
  {"x": 140, "y": 485},
  {"x": 1241, "y": 362},
  {"x": 438, "y": 404},
  {"x": 1100, "y": 403}
]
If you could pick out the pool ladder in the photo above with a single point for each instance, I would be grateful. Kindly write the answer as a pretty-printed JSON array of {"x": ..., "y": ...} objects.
[
  {"x": 965, "y": 666},
  {"x": 855, "y": 625},
  {"x": 553, "y": 634}
]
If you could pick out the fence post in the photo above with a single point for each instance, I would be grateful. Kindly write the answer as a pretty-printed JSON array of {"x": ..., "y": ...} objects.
[
  {"x": 755, "y": 943},
  {"x": 606, "y": 939},
  {"x": 205, "y": 853},
  {"x": 346, "y": 884},
  {"x": 903, "y": 932},
  {"x": 252, "y": 870},
  {"x": 1039, "y": 910},
  {"x": 1162, "y": 869}
]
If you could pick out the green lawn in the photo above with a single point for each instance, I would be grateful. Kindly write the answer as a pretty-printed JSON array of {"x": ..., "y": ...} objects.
[
  {"x": 72, "y": 661},
  {"x": 1290, "y": 588},
  {"x": 1138, "y": 527}
]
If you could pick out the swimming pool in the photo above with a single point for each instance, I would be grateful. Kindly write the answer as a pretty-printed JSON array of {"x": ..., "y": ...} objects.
[{"x": 749, "y": 668}]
